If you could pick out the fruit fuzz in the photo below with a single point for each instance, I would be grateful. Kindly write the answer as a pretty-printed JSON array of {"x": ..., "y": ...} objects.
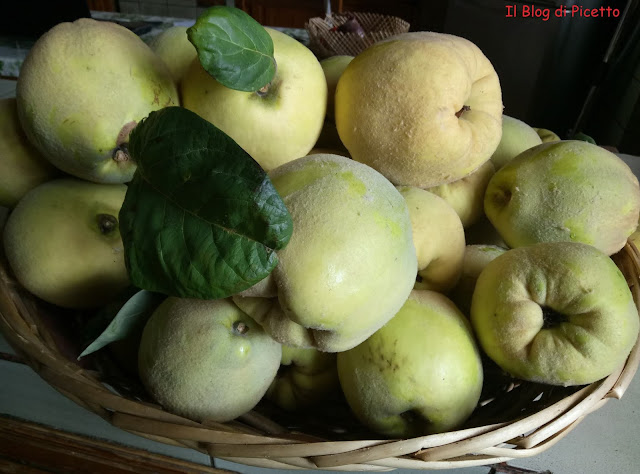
[
  {"x": 421, "y": 373},
  {"x": 221, "y": 373},
  {"x": 567, "y": 191},
  {"x": 63, "y": 243},
  {"x": 273, "y": 127},
  {"x": 558, "y": 313},
  {"x": 81, "y": 87},
  {"x": 438, "y": 117},
  {"x": 327, "y": 295}
]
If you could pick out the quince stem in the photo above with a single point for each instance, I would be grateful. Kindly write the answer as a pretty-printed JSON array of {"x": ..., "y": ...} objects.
[
  {"x": 465, "y": 108},
  {"x": 264, "y": 90}
]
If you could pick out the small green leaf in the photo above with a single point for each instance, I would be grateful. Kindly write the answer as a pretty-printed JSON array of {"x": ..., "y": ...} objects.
[
  {"x": 200, "y": 219},
  {"x": 234, "y": 48},
  {"x": 584, "y": 137},
  {"x": 128, "y": 320}
]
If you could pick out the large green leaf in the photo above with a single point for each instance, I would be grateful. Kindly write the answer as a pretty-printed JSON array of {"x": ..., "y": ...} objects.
[
  {"x": 200, "y": 219},
  {"x": 234, "y": 48}
]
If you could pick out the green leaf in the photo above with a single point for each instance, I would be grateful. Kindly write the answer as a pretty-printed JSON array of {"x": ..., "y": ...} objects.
[
  {"x": 584, "y": 138},
  {"x": 234, "y": 48},
  {"x": 200, "y": 219},
  {"x": 130, "y": 319},
  {"x": 95, "y": 324}
]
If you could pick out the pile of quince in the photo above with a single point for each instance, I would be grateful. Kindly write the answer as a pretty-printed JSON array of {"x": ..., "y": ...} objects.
[{"x": 426, "y": 229}]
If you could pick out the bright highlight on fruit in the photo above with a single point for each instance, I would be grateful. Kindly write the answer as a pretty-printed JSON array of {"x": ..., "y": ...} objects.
[{"x": 350, "y": 263}]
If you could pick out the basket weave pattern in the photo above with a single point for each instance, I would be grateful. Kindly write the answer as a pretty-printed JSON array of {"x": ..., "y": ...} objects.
[
  {"x": 516, "y": 420},
  {"x": 325, "y": 41}
]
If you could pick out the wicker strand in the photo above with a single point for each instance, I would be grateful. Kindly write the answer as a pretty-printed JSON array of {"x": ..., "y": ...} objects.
[
  {"x": 109, "y": 400},
  {"x": 170, "y": 441},
  {"x": 524, "y": 425},
  {"x": 462, "y": 462},
  {"x": 194, "y": 433},
  {"x": 631, "y": 270},
  {"x": 400, "y": 447}
]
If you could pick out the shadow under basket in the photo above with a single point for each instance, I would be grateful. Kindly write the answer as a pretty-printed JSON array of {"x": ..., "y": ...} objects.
[{"x": 514, "y": 419}]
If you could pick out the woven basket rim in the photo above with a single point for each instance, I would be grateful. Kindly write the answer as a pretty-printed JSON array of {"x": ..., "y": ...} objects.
[
  {"x": 254, "y": 439},
  {"x": 325, "y": 42},
  {"x": 366, "y": 16}
]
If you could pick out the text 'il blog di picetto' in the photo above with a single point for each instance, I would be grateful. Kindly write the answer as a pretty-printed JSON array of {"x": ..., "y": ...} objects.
[{"x": 545, "y": 13}]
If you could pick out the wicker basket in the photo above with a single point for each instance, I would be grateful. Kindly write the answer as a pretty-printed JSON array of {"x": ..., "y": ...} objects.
[
  {"x": 326, "y": 41},
  {"x": 513, "y": 420}
]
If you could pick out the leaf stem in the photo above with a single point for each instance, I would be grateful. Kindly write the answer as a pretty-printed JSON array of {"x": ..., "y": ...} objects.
[{"x": 264, "y": 90}]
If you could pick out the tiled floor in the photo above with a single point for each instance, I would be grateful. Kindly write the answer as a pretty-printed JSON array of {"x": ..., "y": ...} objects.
[{"x": 7, "y": 88}]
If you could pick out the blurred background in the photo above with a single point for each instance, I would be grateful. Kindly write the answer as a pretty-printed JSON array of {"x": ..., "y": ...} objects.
[{"x": 565, "y": 74}]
